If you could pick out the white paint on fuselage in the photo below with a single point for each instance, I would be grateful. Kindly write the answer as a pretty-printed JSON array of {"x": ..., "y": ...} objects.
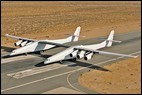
[
  {"x": 35, "y": 46},
  {"x": 64, "y": 55}
]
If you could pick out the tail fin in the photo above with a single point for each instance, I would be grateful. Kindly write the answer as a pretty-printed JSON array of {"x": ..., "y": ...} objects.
[
  {"x": 110, "y": 39},
  {"x": 76, "y": 34}
]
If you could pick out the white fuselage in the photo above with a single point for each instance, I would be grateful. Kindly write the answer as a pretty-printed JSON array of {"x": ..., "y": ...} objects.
[
  {"x": 30, "y": 45},
  {"x": 35, "y": 46},
  {"x": 64, "y": 55},
  {"x": 85, "y": 51}
]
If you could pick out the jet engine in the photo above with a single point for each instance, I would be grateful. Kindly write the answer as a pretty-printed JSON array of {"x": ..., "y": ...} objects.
[
  {"x": 88, "y": 56},
  {"x": 74, "y": 53},
  {"x": 18, "y": 43},
  {"x": 23, "y": 43},
  {"x": 80, "y": 54}
]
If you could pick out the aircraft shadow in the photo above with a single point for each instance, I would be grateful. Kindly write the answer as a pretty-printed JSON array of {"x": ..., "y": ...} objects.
[
  {"x": 7, "y": 49},
  {"x": 78, "y": 63},
  {"x": 42, "y": 64},
  {"x": 91, "y": 66},
  {"x": 8, "y": 56},
  {"x": 44, "y": 56}
]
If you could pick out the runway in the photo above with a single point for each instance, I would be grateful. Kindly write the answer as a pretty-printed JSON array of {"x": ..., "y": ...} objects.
[{"x": 29, "y": 75}]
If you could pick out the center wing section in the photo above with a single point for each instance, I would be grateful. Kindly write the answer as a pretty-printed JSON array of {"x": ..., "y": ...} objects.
[
  {"x": 103, "y": 52},
  {"x": 53, "y": 43}
]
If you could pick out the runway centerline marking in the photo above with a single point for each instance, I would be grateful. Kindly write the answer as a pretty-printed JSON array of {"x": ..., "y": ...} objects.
[{"x": 64, "y": 73}]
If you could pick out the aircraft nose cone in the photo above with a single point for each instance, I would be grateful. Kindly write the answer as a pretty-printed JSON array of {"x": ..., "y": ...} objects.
[
  {"x": 11, "y": 54},
  {"x": 45, "y": 62}
]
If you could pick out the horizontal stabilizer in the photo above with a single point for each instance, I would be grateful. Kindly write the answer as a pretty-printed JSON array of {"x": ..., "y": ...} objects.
[
  {"x": 75, "y": 35},
  {"x": 114, "y": 41}
]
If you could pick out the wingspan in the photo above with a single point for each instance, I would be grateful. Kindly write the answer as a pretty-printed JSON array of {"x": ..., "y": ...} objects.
[
  {"x": 20, "y": 38},
  {"x": 53, "y": 43},
  {"x": 32, "y": 40},
  {"x": 103, "y": 52}
]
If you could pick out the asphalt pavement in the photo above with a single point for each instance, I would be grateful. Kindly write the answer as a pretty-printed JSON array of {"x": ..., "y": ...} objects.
[{"x": 29, "y": 75}]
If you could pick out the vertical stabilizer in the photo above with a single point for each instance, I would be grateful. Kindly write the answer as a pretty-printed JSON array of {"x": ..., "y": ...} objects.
[
  {"x": 76, "y": 34},
  {"x": 110, "y": 39}
]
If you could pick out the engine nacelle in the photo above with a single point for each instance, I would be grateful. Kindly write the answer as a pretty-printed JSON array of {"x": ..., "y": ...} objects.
[
  {"x": 23, "y": 43},
  {"x": 88, "y": 56},
  {"x": 74, "y": 53},
  {"x": 18, "y": 43},
  {"x": 81, "y": 54}
]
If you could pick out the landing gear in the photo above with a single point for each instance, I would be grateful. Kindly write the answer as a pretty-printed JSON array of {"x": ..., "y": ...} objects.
[
  {"x": 38, "y": 52},
  {"x": 74, "y": 59},
  {"x": 26, "y": 54},
  {"x": 61, "y": 62},
  {"x": 41, "y": 51}
]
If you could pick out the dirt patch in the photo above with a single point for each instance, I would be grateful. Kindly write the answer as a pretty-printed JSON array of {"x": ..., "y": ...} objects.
[
  {"x": 124, "y": 78},
  {"x": 51, "y": 20}
]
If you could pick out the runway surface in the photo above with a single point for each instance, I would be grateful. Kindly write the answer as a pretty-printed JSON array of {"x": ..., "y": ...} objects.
[{"x": 29, "y": 75}]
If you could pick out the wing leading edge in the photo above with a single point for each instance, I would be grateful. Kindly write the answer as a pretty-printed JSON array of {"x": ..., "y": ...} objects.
[
  {"x": 20, "y": 38},
  {"x": 41, "y": 42},
  {"x": 103, "y": 52}
]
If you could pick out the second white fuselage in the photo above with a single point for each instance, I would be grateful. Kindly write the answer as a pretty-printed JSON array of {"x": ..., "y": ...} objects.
[
  {"x": 37, "y": 46},
  {"x": 65, "y": 55}
]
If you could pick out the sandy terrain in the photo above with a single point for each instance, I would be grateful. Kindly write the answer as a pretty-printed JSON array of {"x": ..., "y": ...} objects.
[
  {"x": 124, "y": 77},
  {"x": 51, "y": 20}
]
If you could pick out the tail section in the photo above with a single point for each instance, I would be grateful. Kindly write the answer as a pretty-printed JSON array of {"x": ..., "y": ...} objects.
[
  {"x": 76, "y": 34},
  {"x": 110, "y": 39},
  {"x": 106, "y": 43}
]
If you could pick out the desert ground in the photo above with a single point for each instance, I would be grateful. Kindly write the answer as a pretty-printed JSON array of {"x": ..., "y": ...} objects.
[
  {"x": 124, "y": 77},
  {"x": 52, "y": 20}
]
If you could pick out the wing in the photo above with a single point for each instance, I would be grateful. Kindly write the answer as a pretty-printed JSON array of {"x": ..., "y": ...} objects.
[
  {"x": 41, "y": 42},
  {"x": 103, "y": 52},
  {"x": 53, "y": 43},
  {"x": 20, "y": 38}
]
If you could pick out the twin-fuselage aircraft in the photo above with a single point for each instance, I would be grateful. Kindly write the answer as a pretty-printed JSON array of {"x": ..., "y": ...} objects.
[{"x": 72, "y": 52}]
